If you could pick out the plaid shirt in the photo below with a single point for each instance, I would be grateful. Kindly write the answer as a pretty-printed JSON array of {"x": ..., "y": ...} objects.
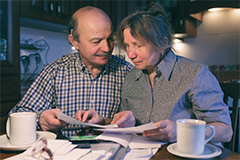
[{"x": 68, "y": 85}]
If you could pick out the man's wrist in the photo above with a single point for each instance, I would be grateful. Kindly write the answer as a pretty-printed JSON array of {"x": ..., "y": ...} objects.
[{"x": 38, "y": 120}]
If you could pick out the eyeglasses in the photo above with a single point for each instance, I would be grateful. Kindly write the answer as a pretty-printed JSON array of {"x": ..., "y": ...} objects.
[{"x": 40, "y": 150}]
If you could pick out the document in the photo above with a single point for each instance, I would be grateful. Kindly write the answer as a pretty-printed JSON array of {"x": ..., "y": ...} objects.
[
  {"x": 71, "y": 120},
  {"x": 137, "y": 129},
  {"x": 130, "y": 140},
  {"x": 108, "y": 128}
]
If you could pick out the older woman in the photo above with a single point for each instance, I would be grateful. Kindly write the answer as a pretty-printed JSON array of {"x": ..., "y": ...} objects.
[{"x": 165, "y": 87}]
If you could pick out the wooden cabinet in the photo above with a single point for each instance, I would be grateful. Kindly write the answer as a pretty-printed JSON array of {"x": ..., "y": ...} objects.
[
  {"x": 55, "y": 11},
  {"x": 10, "y": 66},
  {"x": 182, "y": 23},
  {"x": 35, "y": 13}
]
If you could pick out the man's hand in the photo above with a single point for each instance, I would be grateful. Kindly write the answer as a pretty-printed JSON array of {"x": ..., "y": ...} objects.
[
  {"x": 124, "y": 119},
  {"x": 166, "y": 131},
  {"x": 50, "y": 122},
  {"x": 90, "y": 116}
]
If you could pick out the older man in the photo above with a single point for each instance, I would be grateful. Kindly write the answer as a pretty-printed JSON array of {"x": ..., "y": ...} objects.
[{"x": 88, "y": 80}]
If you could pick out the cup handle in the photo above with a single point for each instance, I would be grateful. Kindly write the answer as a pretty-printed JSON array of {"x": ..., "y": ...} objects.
[
  {"x": 8, "y": 128},
  {"x": 213, "y": 133}
]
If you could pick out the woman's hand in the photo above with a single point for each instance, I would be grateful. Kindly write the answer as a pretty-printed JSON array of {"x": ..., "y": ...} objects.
[
  {"x": 166, "y": 131},
  {"x": 124, "y": 119}
]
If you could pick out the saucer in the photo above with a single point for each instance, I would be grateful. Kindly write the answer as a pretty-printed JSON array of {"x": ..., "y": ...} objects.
[
  {"x": 5, "y": 144},
  {"x": 210, "y": 151}
]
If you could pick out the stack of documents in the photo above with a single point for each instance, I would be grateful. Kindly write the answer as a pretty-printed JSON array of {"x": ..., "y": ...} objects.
[
  {"x": 121, "y": 139},
  {"x": 138, "y": 147}
]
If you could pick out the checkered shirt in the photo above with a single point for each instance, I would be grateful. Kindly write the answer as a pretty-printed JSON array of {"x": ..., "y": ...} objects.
[{"x": 68, "y": 85}]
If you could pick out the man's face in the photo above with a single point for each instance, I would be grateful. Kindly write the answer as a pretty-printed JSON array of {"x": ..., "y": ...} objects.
[{"x": 95, "y": 43}]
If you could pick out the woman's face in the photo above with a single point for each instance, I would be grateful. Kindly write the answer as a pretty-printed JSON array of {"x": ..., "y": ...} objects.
[{"x": 140, "y": 52}]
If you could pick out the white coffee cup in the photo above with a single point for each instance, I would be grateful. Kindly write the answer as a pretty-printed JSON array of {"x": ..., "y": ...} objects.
[
  {"x": 21, "y": 128},
  {"x": 191, "y": 135}
]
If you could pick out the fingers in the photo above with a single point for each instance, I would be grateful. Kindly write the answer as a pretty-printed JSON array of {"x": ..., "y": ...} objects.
[
  {"x": 166, "y": 131},
  {"x": 127, "y": 123},
  {"x": 49, "y": 120},
  {"x": 115, "y": 118},
  {"x": 96, "y": 119},
  {"x": 124, "y": 119},
  {"x": 84, "y": 115},
  {"x": 162, "y": 124},
  {"x": 90, "y": 116},
  {"x": 79, "y": 115}
]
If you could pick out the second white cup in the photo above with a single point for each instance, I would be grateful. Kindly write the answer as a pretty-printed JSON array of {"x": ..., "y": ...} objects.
[
  {"x": 191, "y": 135},
  {"x": 21, "y": 128}
]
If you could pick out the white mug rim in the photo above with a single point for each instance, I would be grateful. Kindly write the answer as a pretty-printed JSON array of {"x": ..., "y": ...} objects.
[
  {"x": 190, "y": 122},
  {"x": 22, "y": 114}
]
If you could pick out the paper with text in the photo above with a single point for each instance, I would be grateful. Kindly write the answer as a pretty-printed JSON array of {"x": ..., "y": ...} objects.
[{"x": 71, "y": 120}]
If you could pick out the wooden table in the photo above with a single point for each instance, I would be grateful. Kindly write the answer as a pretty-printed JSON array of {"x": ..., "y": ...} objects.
[{"x": 162, "y": 154}]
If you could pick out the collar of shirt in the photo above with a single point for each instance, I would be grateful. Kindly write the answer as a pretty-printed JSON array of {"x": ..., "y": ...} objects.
[
  {"x": 165, "y": 67},
  {"x": 102, "y": 69}
]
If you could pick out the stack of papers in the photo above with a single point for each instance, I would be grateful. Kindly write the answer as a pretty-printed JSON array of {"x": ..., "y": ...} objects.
[
  {"x": 138, "y": 147},
  {"x": 130, "y": 140}
]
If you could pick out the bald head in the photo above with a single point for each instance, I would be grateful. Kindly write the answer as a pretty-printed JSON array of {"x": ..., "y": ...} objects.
[
  {"x": 90, "y": 12},
  {"x": 87, "y": 17}
]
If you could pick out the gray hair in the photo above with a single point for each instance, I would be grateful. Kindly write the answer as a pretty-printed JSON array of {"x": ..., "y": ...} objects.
[
  {"x": 151, "y": 25},
  {"x": 72, "y": 28}
]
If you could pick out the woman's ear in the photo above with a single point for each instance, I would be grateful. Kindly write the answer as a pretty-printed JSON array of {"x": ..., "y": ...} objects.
[
  {"x": 165, "y": 40},
  {"x": 73, "y": 41}
]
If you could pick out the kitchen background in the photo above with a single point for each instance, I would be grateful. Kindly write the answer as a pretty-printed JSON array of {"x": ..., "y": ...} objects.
[
  {"x": 216, "y": 44},
  {"x": 33, "y": 34}
]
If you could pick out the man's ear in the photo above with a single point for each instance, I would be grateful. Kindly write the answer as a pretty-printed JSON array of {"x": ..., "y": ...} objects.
[{"x": 73, "y": 41}]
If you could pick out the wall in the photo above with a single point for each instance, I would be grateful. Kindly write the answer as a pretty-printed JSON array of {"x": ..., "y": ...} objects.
[
  {"x": 58, "y": 42},
  {"x": 217, "y": 41}
]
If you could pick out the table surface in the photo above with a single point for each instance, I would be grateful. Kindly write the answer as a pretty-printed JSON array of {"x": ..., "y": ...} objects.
[{"x": 161, "y": 154}]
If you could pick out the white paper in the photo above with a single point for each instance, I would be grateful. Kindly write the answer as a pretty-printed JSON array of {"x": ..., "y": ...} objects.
[
  {"x": 75, "y": 154},
  {"x": 144, "y": 142},
  {"x": 137, "y": 129},
  {"x": 140, "y": 154},
  {"x": 65, "y": 149},
  {"x": 71, "y": 120},
  {"x": 121, "y": 138},
  {"x": 130, "y": 140},
  {"x": 97, "y": 155}
]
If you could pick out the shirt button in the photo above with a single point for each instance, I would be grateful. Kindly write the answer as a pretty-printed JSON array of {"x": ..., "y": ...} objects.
[{"x": 92, "y": 101}]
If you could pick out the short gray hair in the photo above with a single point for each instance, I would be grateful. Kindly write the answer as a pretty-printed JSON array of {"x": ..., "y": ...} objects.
[{"x": 72, "y": 28}]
